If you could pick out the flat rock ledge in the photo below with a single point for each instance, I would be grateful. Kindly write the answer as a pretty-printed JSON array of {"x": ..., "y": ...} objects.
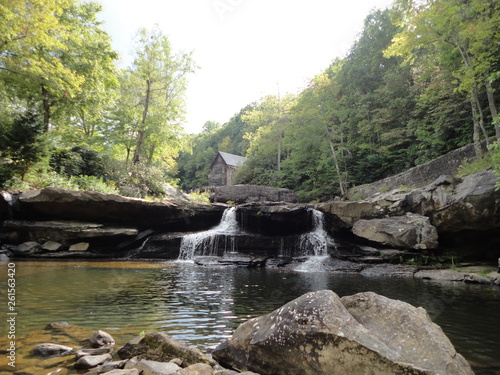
[{"x": 320, "y": 333}]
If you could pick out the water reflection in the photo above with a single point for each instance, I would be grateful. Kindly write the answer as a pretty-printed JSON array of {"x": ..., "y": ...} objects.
[{"x": 202, "y": 306}]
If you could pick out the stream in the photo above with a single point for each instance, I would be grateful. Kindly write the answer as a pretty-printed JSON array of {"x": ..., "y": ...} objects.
[{"x": 202, "y": 306}]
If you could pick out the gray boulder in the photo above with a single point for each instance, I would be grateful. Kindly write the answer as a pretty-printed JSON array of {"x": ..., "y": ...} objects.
[
  {"x": 51, "y": 350},
  {"x": 409, "y": 232},
  {"x": 158, "y": 346},
  {"x": 100, "y": 339},
  {"x": 146, "y": 367},
  {"x": 320, "y": 333},
  {"x": 472, "y": 204},
  {"x": 90, "y": 361}
]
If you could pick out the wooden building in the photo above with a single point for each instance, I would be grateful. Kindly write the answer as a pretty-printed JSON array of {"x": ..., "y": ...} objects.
[{"x": 223, "y": 168}]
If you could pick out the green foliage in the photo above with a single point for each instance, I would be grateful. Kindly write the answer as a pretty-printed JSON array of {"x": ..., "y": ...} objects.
[
  {"x": 475, "y": 166},
  {"x": 22, "y": 144},
  {"x": 93, "y": 183},
  {"x": 194, "y": 163},
  {"x": 78, "y": 161},
  {"x": 495, "y": 148}
]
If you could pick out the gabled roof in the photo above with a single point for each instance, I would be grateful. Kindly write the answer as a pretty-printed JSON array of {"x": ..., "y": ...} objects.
[{"x": 231, "y": 159}]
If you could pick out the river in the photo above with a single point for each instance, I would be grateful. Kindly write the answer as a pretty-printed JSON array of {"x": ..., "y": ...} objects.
[{"x": 202, "y": 306}]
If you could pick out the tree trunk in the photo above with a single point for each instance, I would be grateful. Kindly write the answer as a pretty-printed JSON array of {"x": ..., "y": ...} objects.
[
  {"x": 343, "y": 190},
  {"x": 493, "y": 108},
  {"x": 141, "y": 133},
  {"x": 46, "y": 108},
  {"x": 476, "y": 131},
  {"x": 479, "y": 111}
]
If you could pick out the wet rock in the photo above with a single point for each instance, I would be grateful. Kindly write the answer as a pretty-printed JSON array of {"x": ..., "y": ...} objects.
[
  {"x": 51, "y": 350},
  {"x": 80, "y": 246},
  {"x": 158, "y": 346},
  {"x": 319, "y": 333},
  {"x": 440, "y": 275},
  {"x": 91, "y": 361},
  {"x": 410, "y": 231},
  {"x": 476, "y": 279},
  {"x": 27, "y": 248},
  {"x": 51, "y": 246},
  {"x": 146, "y": 367},
  {"x": 98, "y": 351},
  {"x": 389, "y": 270},
  {"x": 391, "y": 255},
  {"x": 100, "y": 339}
]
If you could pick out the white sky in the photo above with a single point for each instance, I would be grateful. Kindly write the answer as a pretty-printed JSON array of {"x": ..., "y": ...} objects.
[{"x": 246, "y": 49}]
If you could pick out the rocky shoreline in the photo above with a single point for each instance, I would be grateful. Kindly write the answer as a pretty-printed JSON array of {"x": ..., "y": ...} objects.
[{"x": 317, "y": 333}]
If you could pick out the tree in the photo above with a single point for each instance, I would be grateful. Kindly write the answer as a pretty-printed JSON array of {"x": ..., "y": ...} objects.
[
  {"x": 269, "y": 119},
  {"x": 55, "y": 58},
  {"x": 32, "y": 40},
  {"x": 460, "y": 36},
  {"x": 153, "y": 93},
  {"x": 22, "y": 144}
]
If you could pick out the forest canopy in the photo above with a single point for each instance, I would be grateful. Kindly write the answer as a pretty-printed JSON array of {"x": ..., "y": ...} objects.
[{"x": 421, "y": 79}]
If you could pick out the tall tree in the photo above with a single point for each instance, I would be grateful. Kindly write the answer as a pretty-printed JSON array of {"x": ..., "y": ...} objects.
[
  {"x": 54, "y": 56},
  {"x": 153, "y": 94},
  {"x": 270, "y": 118}
]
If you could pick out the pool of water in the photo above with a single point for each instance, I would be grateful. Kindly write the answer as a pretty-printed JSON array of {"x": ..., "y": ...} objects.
[{"x": 202, "y": 306}]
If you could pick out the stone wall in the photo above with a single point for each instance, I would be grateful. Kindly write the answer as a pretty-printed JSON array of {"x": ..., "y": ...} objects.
[
  {"x": 251, "y": 193},
  {"x": 418, "y": 176}
]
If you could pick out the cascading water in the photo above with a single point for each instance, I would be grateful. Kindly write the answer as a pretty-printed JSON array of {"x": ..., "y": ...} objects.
[
  {"x": 315, "y": 242},
  {"x": 314, "y": 245},
  {"x": 207, "y": 243}
]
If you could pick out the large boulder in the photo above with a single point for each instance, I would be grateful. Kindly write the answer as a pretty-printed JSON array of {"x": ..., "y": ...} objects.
[
  {"x": 251, "y": 193},
  {"x": 320, "y": 333},
  {"x": 409, "y": 231},
  {"x": 472, "y": 204},
  {"x": 61, "y": 204},
  {"x": 346, "y": 213}
]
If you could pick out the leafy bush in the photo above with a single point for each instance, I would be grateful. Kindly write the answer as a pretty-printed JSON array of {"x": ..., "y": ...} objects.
[
  {"x": 495, "y": 148},
  {"x": 93, "y": 183},
  {"x": 22, "y": 144},
  {"x": 78, "y": 161}
]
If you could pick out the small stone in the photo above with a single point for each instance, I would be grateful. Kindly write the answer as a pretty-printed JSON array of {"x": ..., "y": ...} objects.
[
  {"x": 131, "y": 371},
  {"x": 98, "y": 351},
  {"x": 177, "y": 361},
  {"x": 51, "y": 246},
  {"x": 57, "y": 325},
  {"x": 100, "y": 339},
  {"x": 51, "y": 350},
  {"x": 28, "y": 247},
  {"x": 131, "y": 363},
  {"x": 475, "y": 278},
  {"x": 81, "y": 246},
  {"x": 90, "y": 361},
  {"x": 197, "y": 369},
  {"x": 157, "y": 368}
]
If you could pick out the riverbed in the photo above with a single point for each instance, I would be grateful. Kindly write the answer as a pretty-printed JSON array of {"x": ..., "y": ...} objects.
[{"x": 202, "y": 306}]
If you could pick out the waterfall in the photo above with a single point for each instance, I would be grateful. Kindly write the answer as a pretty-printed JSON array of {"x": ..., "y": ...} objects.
[
  {"x": 314, "y": 245},
  {"x": 207, "y": 242},
  {"x": 315, "y": 242}
]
